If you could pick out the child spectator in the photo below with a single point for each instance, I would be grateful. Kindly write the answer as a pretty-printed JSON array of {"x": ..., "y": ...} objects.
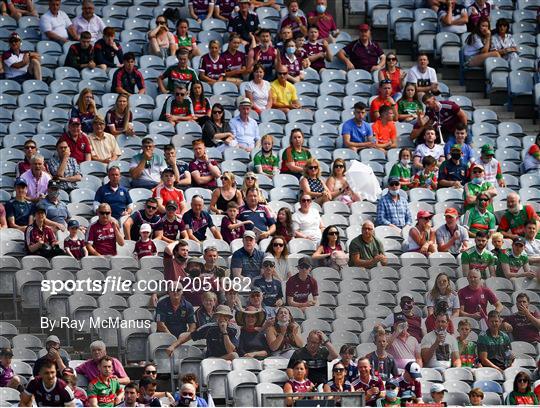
[
  {"x": 81, "y": 55},
  {"x": 265, "y": 161},
  {"x": 497, "y": 240},
  {"x": 427, "y": 177},
  {"x": 74, "y": 246},
  {"x": 69, "y": 376},
  {"x": 467, "y": 348},
  {"x": 7, "y": 374},
  {"x": 172, "y": 223},
  {"x": 106, "y": 49},
  {"x": 384, "y": 129},
  {"x": 145, "y": 246},
  {"x": 316, "y": 50},
  {"x": 231, "y": 228},
  {"x": 409, "y": 106}
]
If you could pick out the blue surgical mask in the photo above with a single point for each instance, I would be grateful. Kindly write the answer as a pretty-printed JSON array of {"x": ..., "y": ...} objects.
[
  {"x": 321, "y": 8},
  {"x": 291, "y": 50},
  {"x": 392, "y": 393},
  {"x": 477, "y": 180}
]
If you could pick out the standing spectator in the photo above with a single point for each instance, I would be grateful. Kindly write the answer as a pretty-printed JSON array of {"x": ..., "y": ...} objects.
[
  {"x": 114, "y": 194},
  {"x": 324, "y": 21},
  {"x": 525, "y": 323},
  {"x": 363, "y": 53},
  {"x": 404, "y": 347},
  {"x": 235, "y": 61},
  {"x": 494, "y": 346},
  {"x": 73, "y": 245},
  {"x": 384, "y": 98},
  {"x": 423, "y": 76},
  {"x": 473, "y": 298},
  {"x": 316, "y": 354},
  {"x": 198, "y": 220},
  {"x": 146, "y": 167},
  {"x": 165, "y": 192},
  {"x": 452, "y": 237},
  {"x": 428, "y": 148},
  {"x": 402, "y": 170},
  {"x": 63, "y": 168},
  {"x": 522, "y": 392},
  {"x": 422, "y": 236},
  {"x": 182, "y": 176},
  {"x": 105, "y": 148},
  {"x": 55, "y": 24},
  {"x": 384, "y": 129},
  {"x": 366, "y": 251},
  {"x": 85, "y": 110},
  {"x": 36, "y": 178},
  {"x": 185, "y": 41},
  {"x": 478, "y": 258},
  {"x": 20, "y": 65},
  {"x": 477, "y": 185},
  {"x": 19, "y": 210},
  {"x": 104, "y": 234},
  {"x": 47, "y": 387},
  {"x": 307, "y": 221},
  {"x": 300, "y": 286},
  {"x": 180, "y": 74},
  {"x": 119, "y": 118},
  {"x": 439, "y": 349},
  {"x": 88, "y": 21},
  {"x": 245, "y": 128},
  {"x": 162, "y": 41},
  {"x": 311, "y": 183},
  {"x": 478, "y": 44},
  {"x": 108, "y": 51},
  {"x": 56, "y": 210},
  {"x": 479, "y": 218},
  {"x": 515, "y": 262},
  {"x": 283, "y": 93},
  {"x": 393, "y": 208},
  {"x": 453, "y": 17},
  {"x": 295, "y": 156},
  {"x": 147, "y": 215},
  {"x": 394, "y": 73},
  {"x": 178, "y": 108},
  {"x": 201, "y": 10},
  {"x": 174, "y": 314},
  {"x": 245, "y": 23},
  {"x": 204, "y": 171},
  {"x": 514, "y": 220},
  {"x": 128, "y": 79},
  {"x": 409, "y": 106},
  {"x": 444, "y": 115},
  {"x": 502, "y": 41},
  {"x": 77, "y": 141},
  {"x": 20, "y": 8}
]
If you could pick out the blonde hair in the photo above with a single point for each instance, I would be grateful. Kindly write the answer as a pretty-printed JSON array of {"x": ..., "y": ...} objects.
[
  {"x": 229, "y": 176},
  {"x": 310, "y": 162},
  {"x": 81, "y": 104},
  {"x": 209, "y": 295},
  {"x": 267, "y": 137},
  {"x": 496, "y": 235}
]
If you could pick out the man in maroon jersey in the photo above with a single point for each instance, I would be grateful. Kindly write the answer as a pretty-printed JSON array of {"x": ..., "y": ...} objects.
[
  {"x": 265, "y": 54},
  {"x": 316, "y": 50},
  {"x": 372, "y": 386},
  {"x": 444, "y": 115},
  {"x": 204, "y": 171},
  {"x": 47, "y": 390},
  {"x": 104, "y": 234}
]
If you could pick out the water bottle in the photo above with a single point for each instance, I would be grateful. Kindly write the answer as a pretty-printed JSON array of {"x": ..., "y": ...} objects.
[{"x": 508, "y": 358}]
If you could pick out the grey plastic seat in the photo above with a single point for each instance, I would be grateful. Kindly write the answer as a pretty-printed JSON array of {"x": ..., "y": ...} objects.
[
  {"x": 10, "y": 87},
  {"x": 64, "y": 87},
  {"x": 67, "y": 73},
  {"x": 328, "y": 115},
  {"x": 307, "y": 88},
  {"x": 49, "y": 47},
  {"x": 137, "y": 24},
  {"x": 520, "y": 83},
  {"x": 509, "y": 129}
]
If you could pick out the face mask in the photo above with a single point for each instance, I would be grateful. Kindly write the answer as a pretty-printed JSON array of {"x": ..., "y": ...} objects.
[
  {"x": 405, "y": 162},
  {"x": 187, "y": 402},
  {"x": 391, "y": 393},
  {"x": 181, "y": 259},
  {"x": 54, "y": 194},
  {"x": 478, "y": 180},
  {"x": 393, "y": 192},
  {"x": 321, "y": 8},
  {"x": 291, "y": 50},
  {"x": 456, "y": 156}
]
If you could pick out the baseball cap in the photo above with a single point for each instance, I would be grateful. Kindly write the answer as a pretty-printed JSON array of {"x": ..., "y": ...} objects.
[
  {"x": 194, "y": 260},
  {"x": 456, "y": 147},
  {"x": 475, "y": 165},
  {"x": 394, "y": 382},
  {"x": 393, "y": 179},
  {"x": 363, "y": 27},
  {"x": 73, "y": 224},
  {"x": 6, "y": 352},
  {"x": 305, "y": 262},
  {"x": 250, "y": 234},
  {"x": 413, "y": 369},
  {"x": 74, "y": 121},
  {"x": 438, "y": 387},
  {"x": 487, "y": 149},
  {"x": 245, "y": 101},
  {"x": 452, "y": 212},
  {"x": 146, "y": 228},
  {"x": 269, "y": 258},
  {"x": 171, "y": 204},
  {"x": 53, "y": 338},
  {"x": 423, "y": 214},
  {"x": 14, "y": 36},
  {"x": 41, "y": 208},
  {"x": 519, "y": 241},
  {"x": 255, "y": 289},
  {"x": 20, "y": 182},
  {"x": 53, "y": 184}
]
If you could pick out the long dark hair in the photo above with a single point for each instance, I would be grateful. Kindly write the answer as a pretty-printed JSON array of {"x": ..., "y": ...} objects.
[
  {"x": 520, "y": 375},
  {"x": 192, "y": 92},
  {"x": 324, "y": 238},
  {"x": 270, "y": 248},
  {"x": 476, "y": 30},
  {"x": 288, "y": 220}
]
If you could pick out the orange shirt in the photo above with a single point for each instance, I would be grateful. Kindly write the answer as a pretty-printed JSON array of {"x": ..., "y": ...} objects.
[
  {"x": 376, "y": 105},
  {"x": 384, "y": 133}
]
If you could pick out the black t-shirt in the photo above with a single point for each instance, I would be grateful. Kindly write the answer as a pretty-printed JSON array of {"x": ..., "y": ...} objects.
[
  {"x": 139, "y": 218},
  {"x": 317, "y": 365},
  {"x": 215, "y": 345}
]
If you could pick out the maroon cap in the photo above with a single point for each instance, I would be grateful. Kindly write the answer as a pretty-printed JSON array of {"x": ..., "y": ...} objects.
[
  {"x": 423, "y": 214},
  {"x": 74, "y": 121},
  {"x": 14, "y": 36},
  {"x": 363, "y": 27}
]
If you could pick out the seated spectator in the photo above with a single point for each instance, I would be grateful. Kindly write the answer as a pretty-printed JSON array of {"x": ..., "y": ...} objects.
[
  {"x": 108, "y": 51},
  {"x": 212, "y": 65},
  {"x": 292, "y": 63},
  {"x": 366, "y": 251},
  {"x": 36, "y": 179},
  {"x": 476, "y": 397},
  {"x": 513, "y": 221},
  {"x": 479, "y": 218},
  {"x": 30, "y": 149},
  {"x": 223, "y": 9},
  {"x": 19, "y": 210},
  {"x": 18, "y": 9},
  {"x": 453, "y": 17},
  {"x": 85, "y": 110},
  {"x": 371, "y": 385},
  {"x": 263, "y": 221},
  {"x": 402, "y": 170},
  {"x": 329, "y": 249},
  {"x": 270, "y": 287},
  {"x": 453, "y": 172},
  {"x": 393, "y": 208},
  {"x": 531, "y": 162},
  {"x": 502, "y": 41},
  {"x": 55, "y": 24},
  {"x": 299, "y": 381},
  {"x": 188, "y": 397},
  {"x": 452, "y": 237},
  {"x": 324, "y": 21},
  {"x": 478, "y": 44},
  {"x": 178, "y": 108},
  {"x": 427, "y": 177},
  {"x": 205, "y": 313},
  {"x": 437, "y": 393},
  {"x": 473, "y": 298},
  {"x": 70, "y": 377},
  {"x": 162, "y": 41},
  {"x": 338, "y": 186},
  {"x": 301, "y": 286},
  {"x": 114, "y": 194},
  {"x": 165, "y": 192},
  {"x": 422, "y": 236},
  {"x": 382, "y": 364},
  {"x": 186, "y": 42},
  {"x": 283, "y": 336},
  {"x": 494, "y": 346},
  {"x": 316, "y": 354},
  {"x": 460, "y": 135},
  {"x": 384, "y": 98},
  {"x": 295, "y": 156},
  {"x": 56, "y": 210},
  {"x": 410, "y": 313},
  {"x": 477, "y": 185},
  {"x": 128, "y": 79},
  {"x": 20, "y": 65},
  {"x": 174, "y": 314},
  {"x": 514, "y": 263},
  {"x": 409, "y": 386},
  {"x": 307, "y": 221},
  {"x": 180, "y": 74},
  {"x": 250, "y": 180},
  {"x": 522, "y": 392},
  {"x": 216, "y": 131},
  {"x": 363, "y": 53},
  {"x": 246, "y": 22},
  {"x": 479, "y": 258},
  {"x": 47, "y": 387},
  {"x": 525, "y": 323},
  {"x": 52, "y": 346},
  {"x": 428, "y": 148},
  {"x": 311, "y": 183},
  {"x": 252, "y": 341},
  {"x": 131, "y": 395},
  {"x": 391, "y": 392},
  {"x": 295, "y": 19},
  {"x": 467, "y": 348},
  {"x": 393, "y": 72},
  {"x": 104, "y": 234},
  {"x": 477, "y": 10},
  {"x": 201, "y": 10},
  {"x": 244, "y": 128},
  {"x": 235, "y": 61},
  {"x": 198, "y": 220},
  {"x": 201, "y": 104},
  {"x": 119, "y": 118},
  {"x": 317, "y": 50},
  {"x": 265, "y": 55},
  {"x": 221, "y": 336},
  {"x": 147, "y": 215},
  {"x": 105, "y": 148},
  {"x": 282, "y": 94},
  {"x": 404, "y": 347},
  {"x": 204, "y": 171},
  {"x": 278, "y": 249},
  {"x": 497, "y": 240},
  {"x": 172, "y": 223},
  {"x": 409, "y": 106},
  {"x": 339, "y": 382},
  {"x": 105, "y": 386},
  {"x": 182, "y": 176},
  {"x": 77, "y": 141},
  {"x": 227, "y": 193},
  {"x": 231, "y": 228},
  {"x": 284, "y": 226},
  {"x": 532, "y": 244},
  {"x": 146, "y": 167},
  {"x": 39, "y": 238},
  {"x": 88, "y": 21},
  {"x": 384, "y": 129},
  {"x": 439, "y": 349},
  {"x": 423, "y": 76},
  {"x": 265, "y": 161},
  {"x": 73, "y": 245}
]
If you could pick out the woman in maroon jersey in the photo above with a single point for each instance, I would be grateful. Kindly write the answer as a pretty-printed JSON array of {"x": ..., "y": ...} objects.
[
  {"x": 292, "y": 62},
  {"x": 212, "y": 65},
  {"x": 235, "y": 60},
  {"x": 119, "y": 117},
  {"x": 299, "y": 383}
]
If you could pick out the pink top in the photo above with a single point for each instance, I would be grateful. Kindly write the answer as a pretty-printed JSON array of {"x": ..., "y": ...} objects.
[
  {"x": 90, "y": 369},
  {"x": 404, "y": 351}
]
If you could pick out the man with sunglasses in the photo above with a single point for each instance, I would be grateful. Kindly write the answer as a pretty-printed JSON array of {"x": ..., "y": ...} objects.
[
  {"x": 384, "y": 98},
  {"x": 477, "y": 185},
  {"x": 177, "y": 108},
  {"x": 30, "y": 149},
  {"x": 284, "y": 95},
  {"x": 128, "y": 79},
  {"x": 104, "y": 234},
  {"x": 20, "y": 65},
  {"x": 393, "y": 208},
  {"x": 146, "y": 167},
  {"x": 148, "y": 215}
]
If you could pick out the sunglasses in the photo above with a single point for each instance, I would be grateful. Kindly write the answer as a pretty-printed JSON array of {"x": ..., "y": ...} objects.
[
  {"x": 392, "y": 59},
  {"x": 278, "y": 244},
  {"x": 282, "y": 73},
  {"x": 339, "y": 166},
  {"x": 305, "y": 200},
  {"x": 105, "y": 212},
  {"x": 394, "y": 183},
  {"x": 150, "y": 372},
  {"x": 268, "y": 264},
  {"x": 483, "y": 200},
  {"x": 218, "y": 112},
  {"x": 151, "y": 207},
  {"x": 338, "y": 370},
  {"x": 180, "y": 93},
  {"x": 313, "y": 167},
  {"x": 522, "y": 380},
  {"x": 386, "y": 81},
  {"x": 29, "y": 147},
  {"x": 333, "y": 233},
  {"x": 250, "y": 178},
  {"x": 478, "y": 171}
]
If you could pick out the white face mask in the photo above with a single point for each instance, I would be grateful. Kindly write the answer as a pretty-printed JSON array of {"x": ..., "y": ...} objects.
[{"x": 405, "y": 162}]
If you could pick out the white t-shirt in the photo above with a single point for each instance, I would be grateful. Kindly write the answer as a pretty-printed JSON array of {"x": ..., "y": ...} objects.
[
  {"x": 423, "y": 150},
  {"x": 95, "y": 26},
  {"x": 422, "y": 78},
  {"x": 458, "y": 29},
  {"x": 260, "y": 93},
  {"x": 443, "y": 355},
  {"x": 14, "y": 59},
  {"x": 473, "y": 49},
  {"x": 57, "y": 24},
  {"x": 308, "y": 224}
]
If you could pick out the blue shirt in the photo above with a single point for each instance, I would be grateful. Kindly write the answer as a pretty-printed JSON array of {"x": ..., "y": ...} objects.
[
  {"x": 359, "y": 134},
  {"x": 393, "y": 212},
  {"x": 20, "y": 211},
  {"x": 250, "y": 264},
  {"x": 55, "y": 212},
  {"x": 177, "y": 321},
  {"x": 454, "y": 172},
  {"x": 198, "y": 225},
  {"x": 261, "y": 217},
  {"x": 272, "y": 291},
  {"x": 246, "y": 134},
  {"x": 118, "y": 200},
  {"x": 467, "y": 152}
]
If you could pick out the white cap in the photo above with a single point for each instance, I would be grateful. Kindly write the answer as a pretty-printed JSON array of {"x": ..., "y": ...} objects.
[
  {"x": 437, "y": 387},
  {"x": 52, "y": 338},
  {"x": 146, "y": 228}
]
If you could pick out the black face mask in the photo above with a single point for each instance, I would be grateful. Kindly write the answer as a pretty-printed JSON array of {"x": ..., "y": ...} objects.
[
  {"x": 455, "y": 156},
  {"x": 181, "y": 259}
]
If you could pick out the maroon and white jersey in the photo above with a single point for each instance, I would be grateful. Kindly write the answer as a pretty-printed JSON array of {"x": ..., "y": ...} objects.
[
  {"x": 202, "y": 167},
  {"x": 294, "y": 65},
  {"x": 312, "y": 49},
  {"x": 211, "y": 68},
  {"x": 75, "y": 246},
  {"x": 33, "y": 234},
  {"x": 102, "y": 238},
  {"x": 58, "y": 396},
  {"x": 267, "y": 58},
  {"x": 226, "y": 7},
  {"x": 234, "y": 62},
  {"x": 171, "y": 229},
  {"x": 147, "y": 248},
  {"x": 293, "y": 24}
]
